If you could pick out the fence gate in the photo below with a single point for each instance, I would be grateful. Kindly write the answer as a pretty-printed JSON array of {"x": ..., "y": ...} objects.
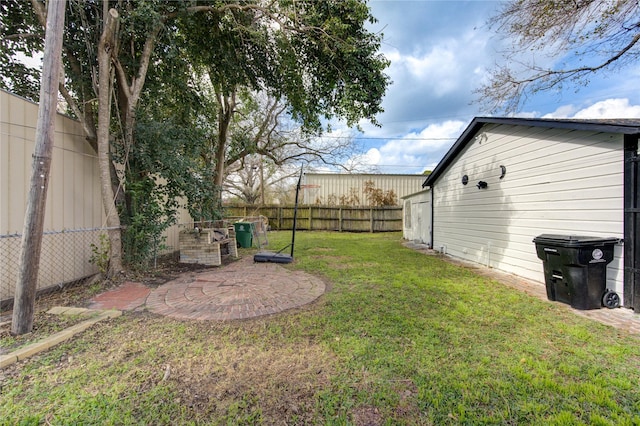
[{"x": 631, "y": 224}]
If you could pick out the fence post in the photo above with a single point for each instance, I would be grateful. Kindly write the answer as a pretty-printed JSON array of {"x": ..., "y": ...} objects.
[
  {"x": 340, "y": 219},
  {"x": 310, "y": 215},
  {"x": 371, "y": 220}
]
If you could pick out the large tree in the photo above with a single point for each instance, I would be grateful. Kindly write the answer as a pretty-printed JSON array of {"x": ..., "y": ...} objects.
[
  {"x": 308, "y": 64},
  {"x": 557, "y": 44},
  {"x": 316, "y": 56}
]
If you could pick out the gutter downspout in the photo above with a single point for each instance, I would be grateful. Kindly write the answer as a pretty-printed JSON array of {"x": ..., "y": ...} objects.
[{"x": 432, "y": 219}]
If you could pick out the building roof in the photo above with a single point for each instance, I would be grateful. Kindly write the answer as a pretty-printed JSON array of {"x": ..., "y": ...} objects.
[
  {"x": 362, "y": 174},
  {"x": 627, "y": 126}
]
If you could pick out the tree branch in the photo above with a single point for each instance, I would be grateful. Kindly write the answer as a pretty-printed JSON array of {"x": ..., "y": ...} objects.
[
  {"x": 546, "y": 73},
  {"x": 41, "y": 13}
]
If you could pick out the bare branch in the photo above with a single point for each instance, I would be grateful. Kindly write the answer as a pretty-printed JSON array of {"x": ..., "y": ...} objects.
[
  {"x": 606, "y": 32},
  {"x": 21, "y": 36}
]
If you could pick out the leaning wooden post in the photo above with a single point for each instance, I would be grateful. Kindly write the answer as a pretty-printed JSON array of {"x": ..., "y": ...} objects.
[{"x": 27, "y": 282}]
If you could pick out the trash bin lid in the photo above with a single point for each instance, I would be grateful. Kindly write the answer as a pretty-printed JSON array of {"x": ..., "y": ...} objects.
[
  {"x": 573, "y": 240},
  {"x": 243, "y": 226}
]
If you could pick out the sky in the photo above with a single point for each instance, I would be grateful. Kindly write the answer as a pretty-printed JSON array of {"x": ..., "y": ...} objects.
[{"x": 440, "y": 51}]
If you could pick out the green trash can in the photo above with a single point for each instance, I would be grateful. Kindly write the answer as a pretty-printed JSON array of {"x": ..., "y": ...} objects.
[{"x": 244, "y": 233}]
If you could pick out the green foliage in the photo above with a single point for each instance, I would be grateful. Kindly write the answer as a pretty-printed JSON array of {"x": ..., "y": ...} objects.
[
  {"x": 148, "y": 214},
  {"x": 173, "y": 152},
  {"x": 324, "y": 69},
  {"x": 100, "y": 253},
  {"x": 320, "y": 59},
  {"x": 164, "y": 170},
  {"x": 16, "y": 18},
  {"x": 317, "y": 58}
]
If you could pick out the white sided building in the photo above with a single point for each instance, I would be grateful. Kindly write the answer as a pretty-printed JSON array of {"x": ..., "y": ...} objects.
[
  {"x": 416, "y": 217},
  {"x": 506, "y": 181}
]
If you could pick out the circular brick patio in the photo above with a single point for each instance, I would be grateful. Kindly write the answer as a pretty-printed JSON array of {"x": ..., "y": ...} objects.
[{"x": 241, "y": 290}]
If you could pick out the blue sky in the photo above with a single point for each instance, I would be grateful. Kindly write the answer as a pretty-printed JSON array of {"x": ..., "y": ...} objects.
[{"x": 440, "y": 51}]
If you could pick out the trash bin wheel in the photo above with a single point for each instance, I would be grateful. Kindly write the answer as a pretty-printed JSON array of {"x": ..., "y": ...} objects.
[{"x": 611, "y": 299}]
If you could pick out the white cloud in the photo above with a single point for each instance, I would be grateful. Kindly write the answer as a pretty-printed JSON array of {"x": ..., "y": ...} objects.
[
  {"x": 609, "y": 108},
  {"x": 372, "y": 156},
  {"x": 430, "y": 139},
  {"x": 564, "y": 111},
  {"x": 415, "y": 151},
  {"x": 436, "y": 69},
  {"x": 34, "y": 61}
]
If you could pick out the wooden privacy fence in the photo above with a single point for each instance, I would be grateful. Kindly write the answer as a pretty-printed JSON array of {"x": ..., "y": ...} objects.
[{"x": 324, "y": 218}]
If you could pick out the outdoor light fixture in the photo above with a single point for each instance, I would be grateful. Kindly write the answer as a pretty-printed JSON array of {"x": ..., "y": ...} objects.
[
  {"x": 465, "y": 179},
  {"x": 482, "y": 185},
  {"x": 503, "y": 171}
]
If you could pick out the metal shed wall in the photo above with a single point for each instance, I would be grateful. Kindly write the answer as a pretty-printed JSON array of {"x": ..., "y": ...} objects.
[
  {"x": 324, "y": 189},
  {"x": 74, "y": 214},
  {"x": 73, "y": 197}
]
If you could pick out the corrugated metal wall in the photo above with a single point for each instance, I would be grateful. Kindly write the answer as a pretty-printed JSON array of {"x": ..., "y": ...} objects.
[
  {"x": 73, "y": 196},
  {"x": 330, "y": 189},
  {"x": 74, "y": 213}
]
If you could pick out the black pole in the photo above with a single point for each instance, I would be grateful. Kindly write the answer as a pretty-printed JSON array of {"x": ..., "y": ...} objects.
[{"x": 295, "y": 213}]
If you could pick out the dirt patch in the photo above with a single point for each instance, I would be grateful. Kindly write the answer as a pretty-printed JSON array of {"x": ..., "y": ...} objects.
[
  {"x": 226, "y": 371},
  {"x": 367, "y": 416},
  {"x": 277, "y": 383},
  {"x": 171, "y": 270},
  {"x": 43, "y": 325},
  {"x": 407, "y": 406}
]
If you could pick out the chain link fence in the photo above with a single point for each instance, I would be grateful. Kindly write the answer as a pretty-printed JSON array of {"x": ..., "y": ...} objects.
[{"x": 64, "y": 259}]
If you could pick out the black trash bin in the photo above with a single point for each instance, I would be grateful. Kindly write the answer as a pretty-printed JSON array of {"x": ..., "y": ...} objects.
[{"x": 575, "y": 268}]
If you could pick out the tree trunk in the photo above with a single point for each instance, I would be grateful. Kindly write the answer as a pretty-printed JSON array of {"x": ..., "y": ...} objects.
[
  {"x": 226, "y": 106},
  {"x": 105, "y": 79},
  {"x": 26, "y": 285}
]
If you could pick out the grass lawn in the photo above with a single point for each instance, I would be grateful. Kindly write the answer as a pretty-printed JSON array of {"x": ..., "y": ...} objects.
[{"x": 399, "y": 338}]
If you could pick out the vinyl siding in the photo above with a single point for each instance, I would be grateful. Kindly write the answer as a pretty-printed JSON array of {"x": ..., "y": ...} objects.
[
  {"x": 557, "y": 181},
  {"x": 417, "y": 217}
]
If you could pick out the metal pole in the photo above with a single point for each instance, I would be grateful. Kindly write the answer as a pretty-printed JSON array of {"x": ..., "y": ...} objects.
[{"x": 295, "y": 213}]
